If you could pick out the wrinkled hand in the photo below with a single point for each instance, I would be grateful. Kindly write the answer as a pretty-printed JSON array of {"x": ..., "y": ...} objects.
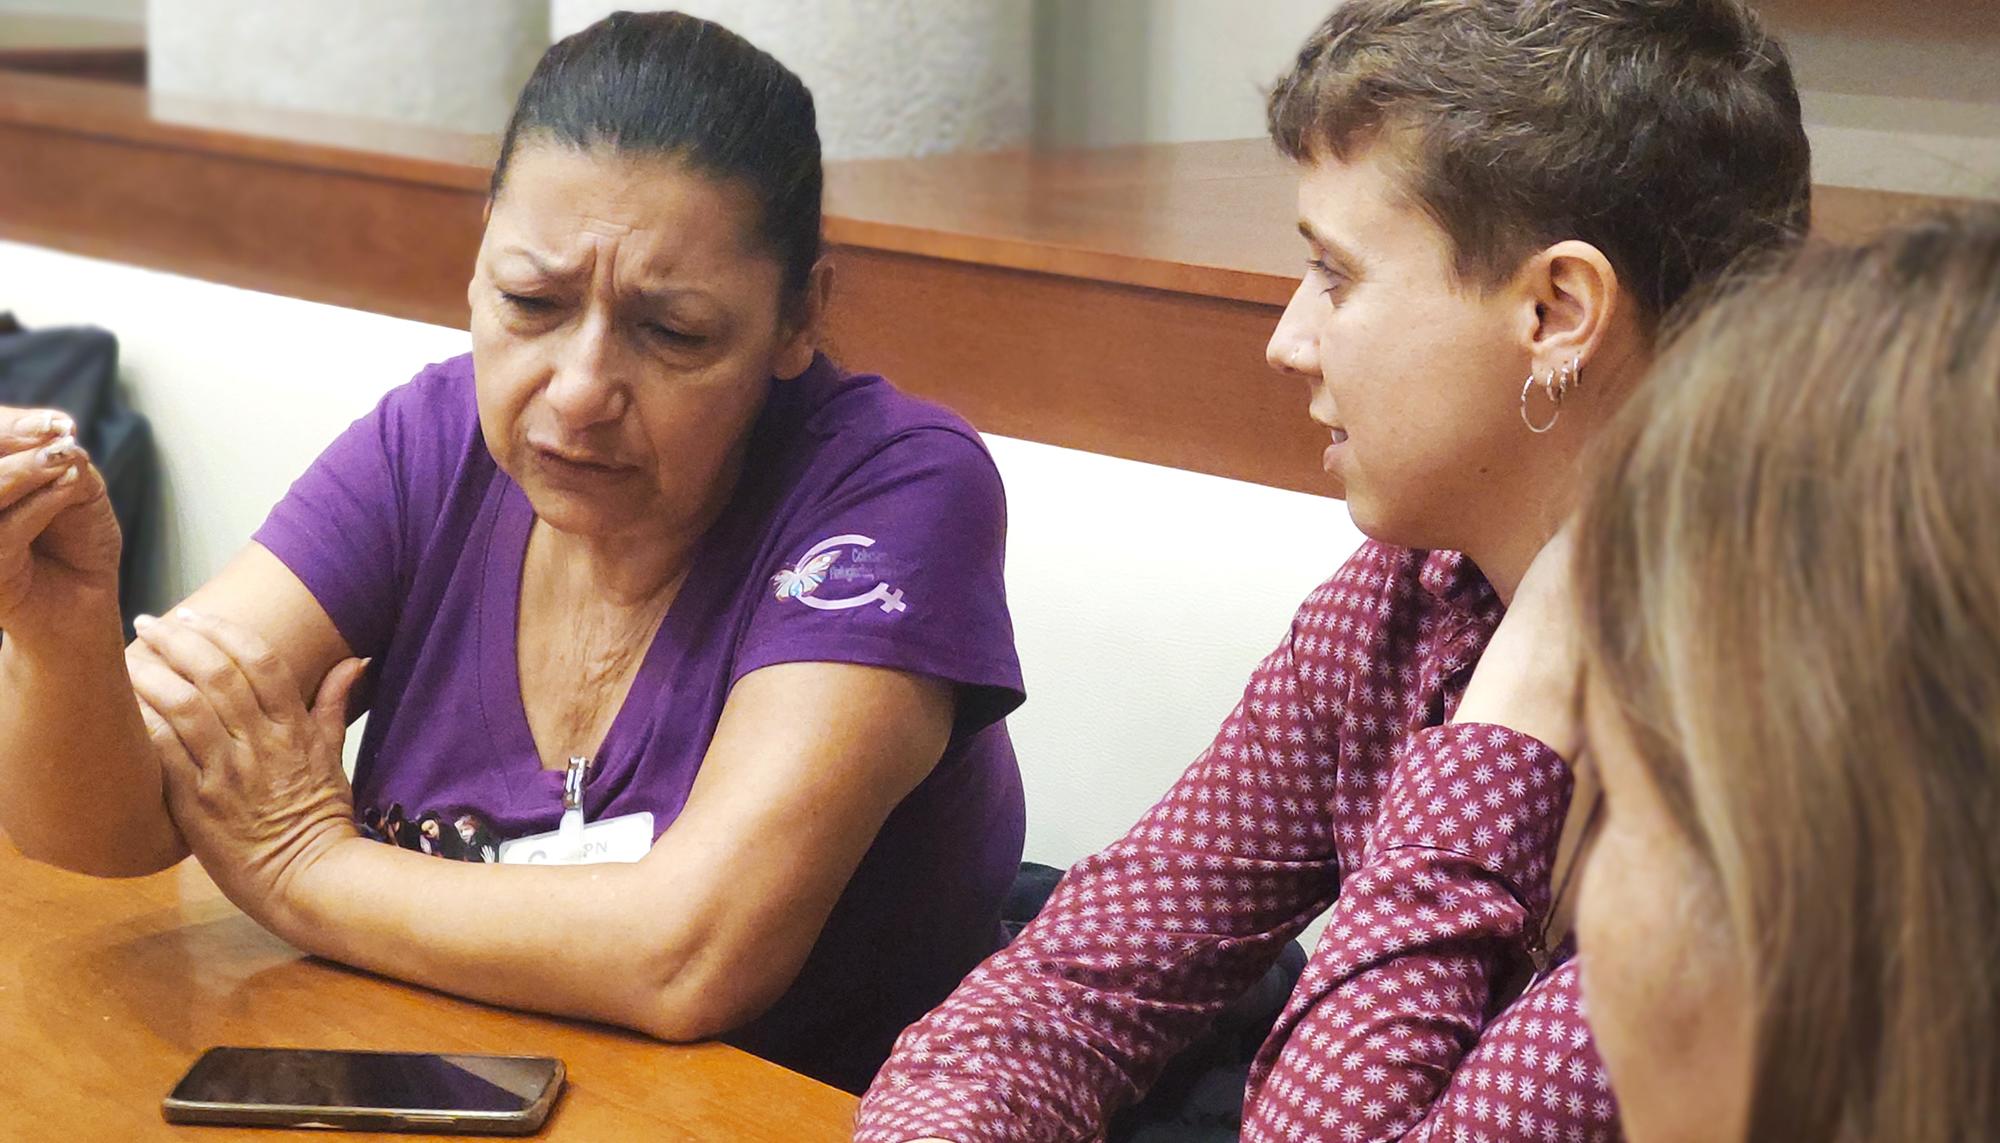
[
  {"x": 59, "y": 542},
  {"x": 1530, "y": 676},
  {"x": 253, "y": 777}
]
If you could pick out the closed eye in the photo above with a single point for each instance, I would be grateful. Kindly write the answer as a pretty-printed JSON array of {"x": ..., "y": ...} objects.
[
  {"x": 1334, "y": 279},
  {"x": 672, "y": 336},
  {"x": 1331, "y": 278},
  {"x": 527, "y": 303}
]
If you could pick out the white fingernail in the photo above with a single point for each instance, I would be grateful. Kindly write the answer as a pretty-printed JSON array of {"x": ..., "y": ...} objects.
[
  {"x": 141, "y": 622},
  {"x": 185, "y": 615},
  {"x": 59, "y": 423}
]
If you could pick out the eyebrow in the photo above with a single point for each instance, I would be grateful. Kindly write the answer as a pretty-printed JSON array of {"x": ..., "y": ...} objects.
[
  {"x": 540, "y": 265},
  {"x": 1338, "y": 252},
  {"x": 668, "y": 295},
  {"x": 651, "y": 295}
]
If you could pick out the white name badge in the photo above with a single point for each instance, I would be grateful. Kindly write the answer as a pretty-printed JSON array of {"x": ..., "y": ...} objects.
[{"x": 627, "y": 837}]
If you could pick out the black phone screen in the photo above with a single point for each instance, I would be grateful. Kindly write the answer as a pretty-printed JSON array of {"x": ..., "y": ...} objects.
[{"x": 390, "y": 1081}]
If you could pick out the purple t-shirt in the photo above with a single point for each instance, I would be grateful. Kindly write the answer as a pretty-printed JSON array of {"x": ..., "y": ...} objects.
[{"x": 868, "y": 528}]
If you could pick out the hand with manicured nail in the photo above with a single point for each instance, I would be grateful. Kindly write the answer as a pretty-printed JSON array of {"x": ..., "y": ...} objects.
[
  {"x": 253, "y": 775},
  {"x": 59, "y": 542}
]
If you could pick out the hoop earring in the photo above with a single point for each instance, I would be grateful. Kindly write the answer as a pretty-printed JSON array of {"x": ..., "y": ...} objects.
[
  {"x": 1560, "y": 383},
  {"x": 1548, "y": 387}
]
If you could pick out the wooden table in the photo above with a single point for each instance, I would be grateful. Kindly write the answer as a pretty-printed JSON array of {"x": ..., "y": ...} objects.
[{"x": 110, "y": 989}]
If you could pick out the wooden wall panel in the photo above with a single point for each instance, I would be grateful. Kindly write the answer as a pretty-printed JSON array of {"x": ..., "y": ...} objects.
[
  {"x": 393, "y": 247},
  {"x": 1170, "y": 378},
  {"x": 1116, "y": 301},
  {"x": 1850, "y": 214},
  {"x": 1899, "y": 19}
]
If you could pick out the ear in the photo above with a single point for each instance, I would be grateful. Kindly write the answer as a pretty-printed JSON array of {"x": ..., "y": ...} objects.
[
  {"x": 801, "y": 335},
  {"x": 1577, "y": 301}
]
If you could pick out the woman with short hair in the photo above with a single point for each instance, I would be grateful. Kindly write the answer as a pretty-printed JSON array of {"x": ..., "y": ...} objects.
[{"x": 1502, "y": 201}]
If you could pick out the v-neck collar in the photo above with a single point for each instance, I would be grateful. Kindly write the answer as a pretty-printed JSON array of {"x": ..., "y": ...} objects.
[{"x": 516, "y": 756}]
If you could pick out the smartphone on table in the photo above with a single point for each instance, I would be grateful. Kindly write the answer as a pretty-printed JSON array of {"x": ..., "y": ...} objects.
[{"x": 367, "y": 1091}]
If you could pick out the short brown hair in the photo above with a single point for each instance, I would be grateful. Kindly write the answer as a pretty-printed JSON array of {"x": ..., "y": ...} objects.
[
  {"x": 1664, "y": 132},
  {"x": 1788, "y": 576}
]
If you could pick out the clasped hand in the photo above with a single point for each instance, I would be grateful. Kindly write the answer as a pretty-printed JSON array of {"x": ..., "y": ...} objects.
[{"x": 253, "y": 776}]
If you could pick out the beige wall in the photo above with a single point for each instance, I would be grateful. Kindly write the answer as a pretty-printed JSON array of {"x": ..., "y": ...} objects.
[
  {"x": 1899, "y": 96},
  {"x": 1911, "y": 104},
  {"x": 1127, "y": 71},
  {"x": 90, "y": 9},
  {"x": 456, "y": 64},
  {"x": 889, "y": 77}
]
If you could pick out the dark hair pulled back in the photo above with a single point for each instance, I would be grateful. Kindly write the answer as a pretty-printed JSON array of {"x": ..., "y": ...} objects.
[{"x": 668, "y": 85}]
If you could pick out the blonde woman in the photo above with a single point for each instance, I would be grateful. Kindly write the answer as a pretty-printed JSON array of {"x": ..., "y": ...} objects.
[{"x": 1789, "y": 587}]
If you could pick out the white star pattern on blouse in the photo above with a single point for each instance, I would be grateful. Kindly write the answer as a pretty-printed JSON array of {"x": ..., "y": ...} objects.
[{"x": 1333, "y": 783}]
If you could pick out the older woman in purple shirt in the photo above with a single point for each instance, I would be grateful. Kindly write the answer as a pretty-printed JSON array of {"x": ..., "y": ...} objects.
[{"x": 644, "y": 526}]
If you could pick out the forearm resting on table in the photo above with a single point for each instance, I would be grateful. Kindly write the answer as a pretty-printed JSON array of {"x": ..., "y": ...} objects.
[
  {"x": 80, "y": 785},
  {"x": 602, "y": 942}
]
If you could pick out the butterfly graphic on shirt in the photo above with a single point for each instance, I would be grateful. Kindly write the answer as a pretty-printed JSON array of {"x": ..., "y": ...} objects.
[{"x": 801, "y": 581}]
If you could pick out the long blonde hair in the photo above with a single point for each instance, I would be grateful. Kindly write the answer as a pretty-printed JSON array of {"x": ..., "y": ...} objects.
[{"x": 1788, "y": 573}]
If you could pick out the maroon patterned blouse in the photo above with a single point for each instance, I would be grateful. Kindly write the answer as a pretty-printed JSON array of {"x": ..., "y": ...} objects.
[{"x": 1336, "y": 782}]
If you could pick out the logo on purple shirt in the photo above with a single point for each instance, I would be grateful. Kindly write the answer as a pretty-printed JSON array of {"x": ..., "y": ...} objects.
[{"x": 803, "y": 580}]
